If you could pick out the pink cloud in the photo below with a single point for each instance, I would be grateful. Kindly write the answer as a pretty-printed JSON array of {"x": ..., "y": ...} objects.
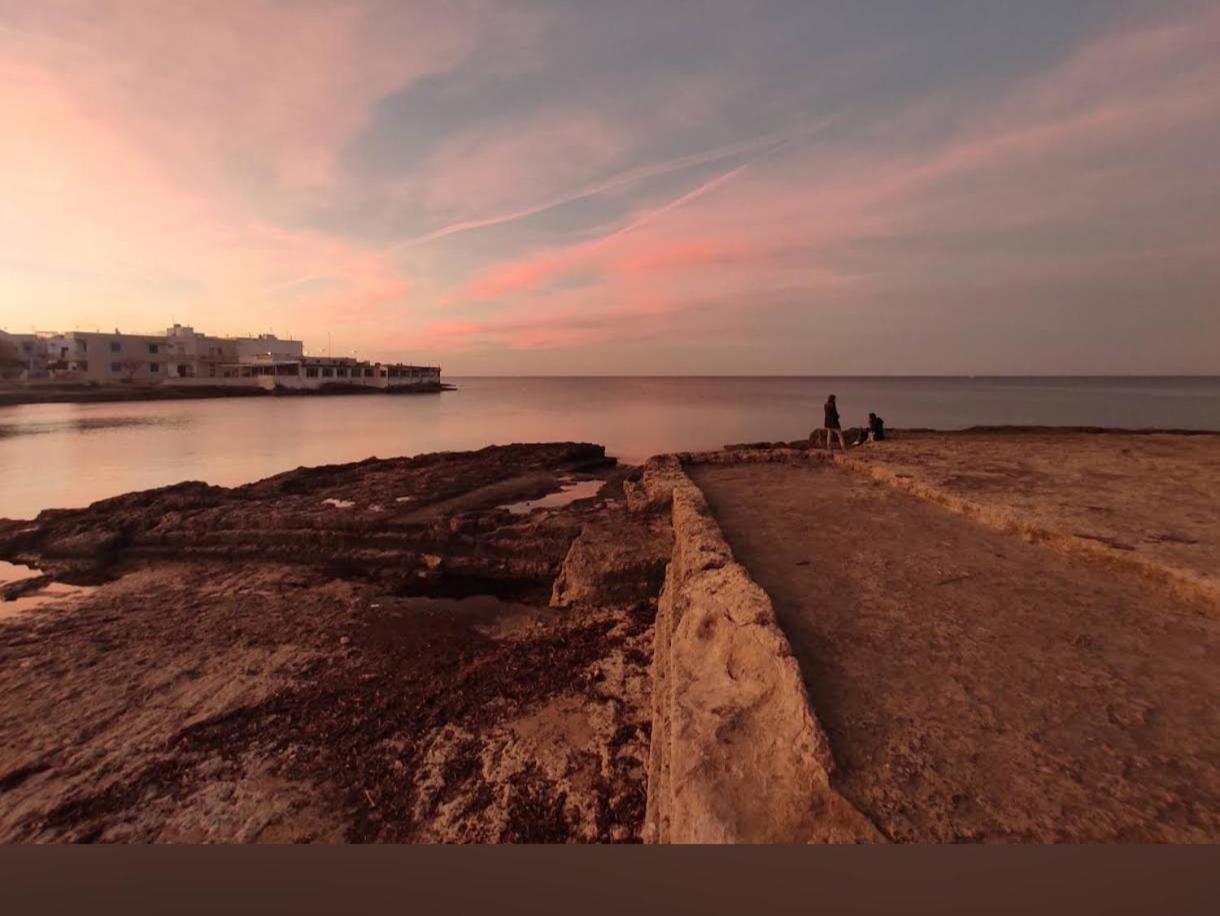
[
  {"x": 83, "y": 200},
  {"x": 153, "y": 147},
  {"x": 535, "y": 270},
  {"x": 130, "y": 126},
  {"x": 1072, "y": 146},
  {"x": 205, "y": 86}
]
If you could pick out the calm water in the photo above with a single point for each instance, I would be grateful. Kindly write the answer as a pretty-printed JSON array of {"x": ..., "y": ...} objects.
[{"x": 56, "y": 455}]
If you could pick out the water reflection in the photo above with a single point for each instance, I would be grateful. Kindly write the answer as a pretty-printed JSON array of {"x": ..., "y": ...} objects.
[
  {"x": 52, "y": 593},
  {"x": 82, "y": 425},
  {"x": 85, "y": 452},
  {"x": 571, "y": 491}
]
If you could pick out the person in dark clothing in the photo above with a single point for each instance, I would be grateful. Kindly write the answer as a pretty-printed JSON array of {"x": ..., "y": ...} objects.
[
  {"x": 832, "y": 425},
  {"x": 876, "y": 427},
  {"x": 874, "y": 430}
]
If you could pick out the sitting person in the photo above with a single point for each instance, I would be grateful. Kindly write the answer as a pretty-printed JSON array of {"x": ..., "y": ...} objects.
[
  {"x": 876, "y": 427},
  {"x": 874, "y": 431}
]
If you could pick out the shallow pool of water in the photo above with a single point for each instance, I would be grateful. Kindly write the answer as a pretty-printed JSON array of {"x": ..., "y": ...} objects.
[
  {"x": 55, "y": 592},
  {"x": 569, "y": 492}
]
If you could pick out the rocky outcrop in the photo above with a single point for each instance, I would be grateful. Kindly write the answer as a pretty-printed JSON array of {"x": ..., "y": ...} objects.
[
  {"x": 433, "y": 523},
  {"x": 616, "y": 558},
  {"x": 736, "y": 754},
  {"x": 303, "y": 659}
]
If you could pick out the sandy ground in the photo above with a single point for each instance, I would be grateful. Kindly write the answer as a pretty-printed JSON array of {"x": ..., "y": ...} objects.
[
  {"x": 357, "y": 653},
  {"x": 976, "y": 687}
]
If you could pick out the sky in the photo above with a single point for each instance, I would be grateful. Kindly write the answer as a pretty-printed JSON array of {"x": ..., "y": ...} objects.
[{"x": 706, "y": 187}]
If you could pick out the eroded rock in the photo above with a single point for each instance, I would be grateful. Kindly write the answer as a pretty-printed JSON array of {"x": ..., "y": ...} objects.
[{"x": 261, "y": 666}]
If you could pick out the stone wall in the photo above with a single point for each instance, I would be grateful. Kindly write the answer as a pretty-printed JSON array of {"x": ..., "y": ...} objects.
[
  {"x": 1188, "y": 584},
  {"x": 736, "y": 754}
]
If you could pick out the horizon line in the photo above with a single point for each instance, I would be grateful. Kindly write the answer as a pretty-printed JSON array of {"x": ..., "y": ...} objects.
[{"x": 959, "y": 375}]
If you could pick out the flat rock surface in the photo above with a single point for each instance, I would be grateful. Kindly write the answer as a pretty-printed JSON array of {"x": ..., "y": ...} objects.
[
  {"x": 1154, "y": 496},
  {"x": 976, "y": 687}
]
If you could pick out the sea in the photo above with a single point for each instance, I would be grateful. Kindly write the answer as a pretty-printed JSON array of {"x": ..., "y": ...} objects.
[{"x": 69, "y": 455}]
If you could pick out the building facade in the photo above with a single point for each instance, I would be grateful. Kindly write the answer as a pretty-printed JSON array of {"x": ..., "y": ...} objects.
[
  {"x": 314, "y": 372},
  {"x": 93, "y": 356},
  {"x": 22, "y": 356},
  {"x": 184, "y": 356}
]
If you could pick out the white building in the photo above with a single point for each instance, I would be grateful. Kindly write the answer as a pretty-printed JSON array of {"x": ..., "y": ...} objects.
[
  {"x": 92, "y": 356},
  {"x": 316, "y": 372},
  {"x": 267, "y": 346},
  {"x": 23, "y": 356},
  {"x": 184, "y": 356}
]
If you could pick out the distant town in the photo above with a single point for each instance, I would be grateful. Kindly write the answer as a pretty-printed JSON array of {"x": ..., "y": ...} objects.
[{"x": 183, "y": 357}]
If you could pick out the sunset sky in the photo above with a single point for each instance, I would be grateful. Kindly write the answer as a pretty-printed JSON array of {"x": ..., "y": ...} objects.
[{"x": 621, "y": 187}]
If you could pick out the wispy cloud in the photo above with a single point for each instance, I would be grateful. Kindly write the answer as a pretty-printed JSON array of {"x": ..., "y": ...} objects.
[
  {"x": 767, "y": 143},
  {"x": 536, "y": 269},
  {"x": 1068, "y": 156},
  {"x": 201, "y": 159}
]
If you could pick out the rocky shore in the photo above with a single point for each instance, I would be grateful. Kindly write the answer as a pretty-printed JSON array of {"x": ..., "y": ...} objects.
[
  {"x": 78, "y": 393},
  {"x": 391, "y": 650},
  {"x": 985, "y": 636}
]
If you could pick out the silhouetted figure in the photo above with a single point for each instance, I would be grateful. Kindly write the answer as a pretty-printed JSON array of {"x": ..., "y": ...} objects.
[
  {"x": 874, "y": 431},
  {"x": 831, "y": 424}
]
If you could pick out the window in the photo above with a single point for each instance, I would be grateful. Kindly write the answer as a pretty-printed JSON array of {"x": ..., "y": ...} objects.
[
  {"x": 154, "y": 367},
  {"x": 342, "y": 373},
  {"x": 152, "y": 348},
  {"x": 368, "y": 373},
  {"x": 328, "y": 373},
  {"x": 311, "y": 372},
  {"x": 116, "y": 367},
  {"x": 115, "y": 346}
]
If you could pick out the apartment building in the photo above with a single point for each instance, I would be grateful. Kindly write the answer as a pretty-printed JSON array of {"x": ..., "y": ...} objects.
[
  {"x": 94, "y": 356},
  {"x": 180, "y": 353},
  {"x": 184, "y": 356},
  {"x": 194, "y": 355},
  {"x": 22, "y": 356}
]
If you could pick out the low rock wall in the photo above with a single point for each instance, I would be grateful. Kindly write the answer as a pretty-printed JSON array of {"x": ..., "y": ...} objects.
[
  {"x": 1188, "y": 584},
  {"x": 736, "y": 753}
]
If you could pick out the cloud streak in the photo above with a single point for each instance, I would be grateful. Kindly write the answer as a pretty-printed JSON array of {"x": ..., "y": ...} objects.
[
  {"x": 205, "y": 160},
  {"x": 1067, "y": 156},
  {"x": 755, "y": 145}
]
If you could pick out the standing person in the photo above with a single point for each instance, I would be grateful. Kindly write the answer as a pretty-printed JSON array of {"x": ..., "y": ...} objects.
[{"x": 832, "y": 425}]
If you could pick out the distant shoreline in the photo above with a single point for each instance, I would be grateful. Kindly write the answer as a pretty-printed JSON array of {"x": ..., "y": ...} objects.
[{"x": 100, "y": 394}]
